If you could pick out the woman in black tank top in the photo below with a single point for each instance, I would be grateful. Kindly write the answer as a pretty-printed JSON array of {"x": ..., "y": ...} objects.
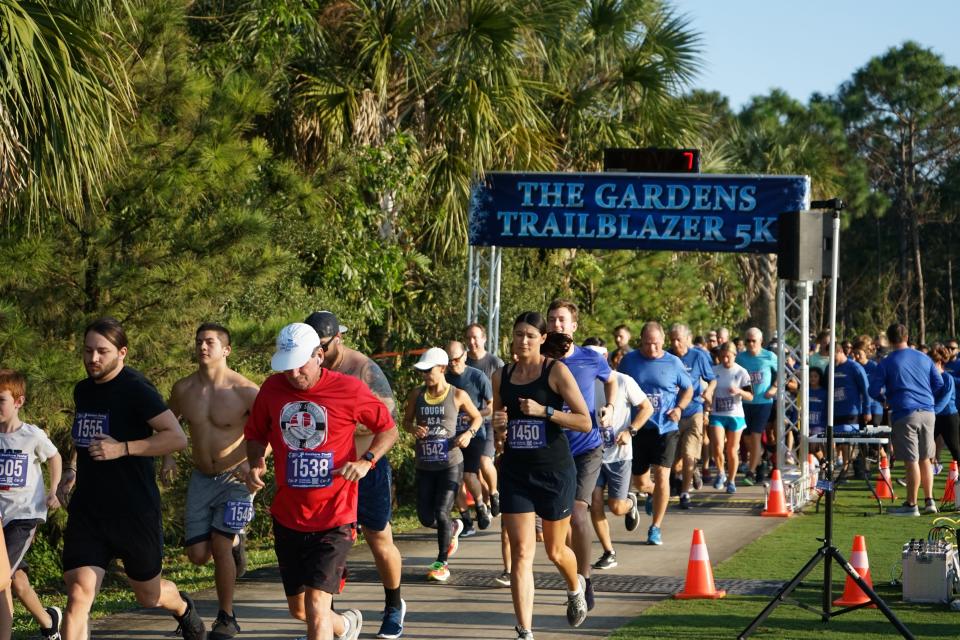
[{"x": 537, "y": 473}]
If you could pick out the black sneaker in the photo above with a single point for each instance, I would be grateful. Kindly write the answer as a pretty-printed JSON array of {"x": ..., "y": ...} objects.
[
  {"x": 483, "y": 516},
  {"x": 607, "y": 561},
  {"x": 191, "y": 624},
  {"x": 56, "y": 617},
  {"x": 495, "y": 504},
  {"x": 631, "y": 519},
  {"x": 684, "y": 501},
  {"x": 224, "y": 627},
  {"x": 240, "y": 556},
  {"x": 760, "y": 475}
]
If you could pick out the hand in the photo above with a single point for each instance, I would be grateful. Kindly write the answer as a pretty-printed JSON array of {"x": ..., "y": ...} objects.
[
  {"x": 106, "y": 448},
  {"x": 420, "y": 432},
  {"x": 67, "y": 480},
  {"x": 53, "y": 503},
  {"x": 707, "y": 399},
  {"x": 867, "y": 418},
  {"x": 533, "y": 408},
  {"x": 734, "y": 391},
  {"x": 241, "y": 471},
  {"x": 674, "y": 414},
  {"x": 624, "y": 438},
  {"x": 254, "y": 483},
  {"x": 463, "y": 440},
  {"x": 770, "y": 393},
  {"x": 499, "y": 421},
  {"x": 606, "y": 415},
  {"x": 354, "y": 471},
  {"x": 168, "y": 471}
]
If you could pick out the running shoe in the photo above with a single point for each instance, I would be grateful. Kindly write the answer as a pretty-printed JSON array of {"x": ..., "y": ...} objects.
[
  {"x": 697, "y": 479},
  {"x": 392, "y": 625},
  {"x": 685, "y": 501},
  {"x": 503, "y": 579},
  {"x": 648, "y": 505},
  {"x": 523, "y": 634},
  {"x": 748, "y": 479},
  {"x": 577, "y": 604},
  {"x": 904, "y": 510},
  {"x": 240, "y": 556},
  {"x": 607, "y": 561},
  {"x": 653, "y": 536},
  {"x": 929, "y": 506},
  {"x": 632, "y": 518},
  {"x": 732, "y": 486},
  {"x": 439, "y": 572},
  {"x": 495, "y": 504},
  {"x": 353, "y": 622},
  {"x": 937, "y": 468},
  {"x": 191, "y": 625},
  {"x": 457, "y": 527},
  {"x": 483, "y": 516},
  {"x": 224, "y": 627},
  {"x": 760, "y": 475},
  {"x": 588, "y": 594},
  {"x": 719, "y": 481},
  {"x": 902, "y": 482},
  {"x": 56, "y": 617},
  {"x": 468, "y": 532}
]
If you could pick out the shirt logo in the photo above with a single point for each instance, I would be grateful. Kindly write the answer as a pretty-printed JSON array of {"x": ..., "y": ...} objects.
[{"x": 303, "y": 425}]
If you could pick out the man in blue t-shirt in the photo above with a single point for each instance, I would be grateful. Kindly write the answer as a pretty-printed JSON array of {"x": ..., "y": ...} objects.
[
  {"x": 587, "y": 367},
  {"x": 907, "y": 381},
  {"x": 762, "y": 367},
  {"x": 664, "y": 379},
  {"x": 700, "y": 369}
]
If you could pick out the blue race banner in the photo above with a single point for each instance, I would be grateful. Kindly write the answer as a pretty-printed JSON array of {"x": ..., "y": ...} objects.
[{"x": 670, "y": 212}]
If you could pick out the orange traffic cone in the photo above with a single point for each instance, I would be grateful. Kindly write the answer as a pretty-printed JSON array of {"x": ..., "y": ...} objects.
[
  {"x": 776, "y": 502},
  {"x": 852, "y": 593},
  {"x": 884, "y": 488},
  {"x": 813, "y": 470},
  {"x": 949, "y": 493},
  {"x": 699, "y": 583}
]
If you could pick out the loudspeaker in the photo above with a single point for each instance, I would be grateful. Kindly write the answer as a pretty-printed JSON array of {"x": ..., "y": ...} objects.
[{"x": 800, "y": 246}]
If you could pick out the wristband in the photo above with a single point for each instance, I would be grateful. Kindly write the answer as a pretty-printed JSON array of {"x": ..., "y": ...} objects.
[{"x": 127, "y": 445}]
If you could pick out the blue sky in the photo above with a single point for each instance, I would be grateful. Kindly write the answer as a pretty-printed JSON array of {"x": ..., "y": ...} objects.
[{"x": 807, "y": 46}]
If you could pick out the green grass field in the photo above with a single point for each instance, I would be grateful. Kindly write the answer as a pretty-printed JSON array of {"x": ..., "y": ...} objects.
[{"x": 782, "y": 553}]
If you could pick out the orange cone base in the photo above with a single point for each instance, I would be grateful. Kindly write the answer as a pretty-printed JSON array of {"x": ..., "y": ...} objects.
[
  {"x": 840, "y": 602},
  {"x": 716, "y": 595},
  {"x": 773, "y": 514}
]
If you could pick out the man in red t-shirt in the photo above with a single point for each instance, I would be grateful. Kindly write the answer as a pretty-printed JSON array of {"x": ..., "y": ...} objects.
[{"x": 307, "y": 415}]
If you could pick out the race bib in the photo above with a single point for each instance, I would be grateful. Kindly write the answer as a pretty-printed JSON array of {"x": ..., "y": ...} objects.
[
  {"x": 87, "y": 426},
  {"x": 430, "y": 450},
  {"x": 608, "y": 438},
  {"x": 839, "y": 394},
  {"x": 309, "y": 469},
  {"x": 237, "y": 514},
  {"x": 463, "y": 422},
  {"x": 527, "y": 433},
  {"x": 816, "y": 417},
  {"x": 724, "y": 404},
  {"x": 13, "y": 470},
  {"x": 756, "y": 377},
  {"x": 654, "y": 401}
]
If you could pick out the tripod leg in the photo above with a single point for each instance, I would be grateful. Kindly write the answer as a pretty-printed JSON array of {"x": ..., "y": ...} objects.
[
  {"x": 785, "y": 591},
  {"x": 877, "y": 600}
]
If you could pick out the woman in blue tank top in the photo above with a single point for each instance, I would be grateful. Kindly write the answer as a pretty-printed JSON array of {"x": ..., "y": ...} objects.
[{"x": 537, "y": 473}]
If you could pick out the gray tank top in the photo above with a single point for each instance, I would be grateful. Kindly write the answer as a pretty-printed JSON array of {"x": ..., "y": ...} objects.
[{"x": 437, "y": 450}]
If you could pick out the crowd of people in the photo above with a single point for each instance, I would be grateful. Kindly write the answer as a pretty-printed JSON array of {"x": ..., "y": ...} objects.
[{"x": 550, "y": 442}]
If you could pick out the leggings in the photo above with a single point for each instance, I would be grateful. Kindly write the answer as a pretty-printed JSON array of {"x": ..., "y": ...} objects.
[
  {"x": 948, "y": 427},
  {"x": 436, "y": 491}
]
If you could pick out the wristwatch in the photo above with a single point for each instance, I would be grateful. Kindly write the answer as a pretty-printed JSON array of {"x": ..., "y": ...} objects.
[
  {"x": 550, "y": 411},
  {"x": 369, "y": 457}
]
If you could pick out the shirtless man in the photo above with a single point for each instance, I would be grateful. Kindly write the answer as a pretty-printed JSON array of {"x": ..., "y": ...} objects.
[{"x": 215, "y": 402}]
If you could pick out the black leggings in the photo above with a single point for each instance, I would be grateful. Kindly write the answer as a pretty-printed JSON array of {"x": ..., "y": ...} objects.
[
  {"x": 436, "y": 491},
  {"x": 948, "y": 427}
]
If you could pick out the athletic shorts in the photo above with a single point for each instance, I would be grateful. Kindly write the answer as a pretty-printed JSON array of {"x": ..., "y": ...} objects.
[
  {"x": 136, "y": 539},
  {"x": 375, "y": 497},
  {"x": 757, "y": 416},
  {"x": 728, "y": 423},
  {"x": 651, "y": 448},
  {"x": 615, "y": 476},
  {"x": 218, "y": 503},
  {"x": 315, "y": 559},
  {"x": 471, "y": 455},
  {"x": 913, "y": 436},
  {"x": 691, "y": 437},
  {"x": 548, "y": 493},
  {"x": 588, "y": 466},
  {"x": 489, "y": 446},
  {"x": 18, "y": 536}
]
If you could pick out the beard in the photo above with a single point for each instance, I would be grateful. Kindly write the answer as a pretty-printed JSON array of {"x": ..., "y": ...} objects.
[{"x": 105, "y": 368}]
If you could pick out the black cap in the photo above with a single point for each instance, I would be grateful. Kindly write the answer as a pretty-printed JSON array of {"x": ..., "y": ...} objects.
[{"x": 325, "y": 323}]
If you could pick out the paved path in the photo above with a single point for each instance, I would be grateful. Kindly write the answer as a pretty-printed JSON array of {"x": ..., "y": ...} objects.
[{"x": 471, "y": 605}]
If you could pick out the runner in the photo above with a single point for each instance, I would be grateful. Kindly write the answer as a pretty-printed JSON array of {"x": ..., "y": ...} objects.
[
  {"x": 587, "y": 367},
  {"x": 537, "y": 471},
  {"x": 477, "y": 387},
  {"x": 215, "y": 402},
  {"x": 726, "y": 417},
  {"x": 308, "y": 416},
  {"x": 375, "y": 502},
  {"x": 664, "y": 379},
  {"x": 24, "y": 500},
  {"x": 479, "y": 358},
  {"x": 762, "y": 367},
  {"x": 121, "y": 425},
  {"x": 432, "y": 416}
]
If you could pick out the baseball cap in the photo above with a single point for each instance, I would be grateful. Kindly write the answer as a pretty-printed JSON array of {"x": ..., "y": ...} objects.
[
  {"x": 325, "y": 323},
  {"x": 295, "y": 345},
  {"x": 431, "y": 358}
]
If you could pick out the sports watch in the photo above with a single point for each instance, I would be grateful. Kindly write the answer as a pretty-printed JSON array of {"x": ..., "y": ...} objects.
[{"x": 369, "y": 457}]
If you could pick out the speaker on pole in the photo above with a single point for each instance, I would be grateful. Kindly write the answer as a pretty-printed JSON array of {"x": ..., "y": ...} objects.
[{"x": 800, "y": 246}]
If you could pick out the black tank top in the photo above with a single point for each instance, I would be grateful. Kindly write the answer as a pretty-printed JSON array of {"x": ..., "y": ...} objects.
[{"x": 533, "y": 443}]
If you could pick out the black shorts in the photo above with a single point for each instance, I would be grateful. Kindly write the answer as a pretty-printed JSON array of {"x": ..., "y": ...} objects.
[
  {"x": 588, "y": 470},
  {"x": 471, "y": 455},
  {"x": 136, "y": 539},
  {"x": 651, "y": 448},
  {"x": 18, "y": 536},
  {"x": 375, "y": 497},
  {"x": 316, "y": 559},
  {"x": 548, "y": 493},
  {"x": 756, "y": 416}
]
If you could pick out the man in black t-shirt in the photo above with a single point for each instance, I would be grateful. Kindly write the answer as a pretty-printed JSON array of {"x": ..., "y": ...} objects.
[{"x": 121, "y": 424}]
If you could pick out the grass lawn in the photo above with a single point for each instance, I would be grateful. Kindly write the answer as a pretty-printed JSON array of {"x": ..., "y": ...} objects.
[{"x": 782, "y": 553}]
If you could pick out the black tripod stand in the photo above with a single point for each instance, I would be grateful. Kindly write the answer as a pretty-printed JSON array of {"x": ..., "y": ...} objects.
[{"x": 828, "y": 553}]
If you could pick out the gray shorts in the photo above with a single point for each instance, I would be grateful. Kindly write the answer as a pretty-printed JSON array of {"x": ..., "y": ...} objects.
[
  {"x": 588, "y": 468},
  {"x": 913, "y": 438},
  {"x": 218, "y": 503},
  {"x": 615, "y": 476}
]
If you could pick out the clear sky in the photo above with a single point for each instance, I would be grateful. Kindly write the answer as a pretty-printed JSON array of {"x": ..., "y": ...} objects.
[{"x": 808, "y": 46}]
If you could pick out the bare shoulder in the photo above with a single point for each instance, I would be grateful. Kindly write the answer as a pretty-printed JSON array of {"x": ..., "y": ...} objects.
[{"x": 184, "y": 386}]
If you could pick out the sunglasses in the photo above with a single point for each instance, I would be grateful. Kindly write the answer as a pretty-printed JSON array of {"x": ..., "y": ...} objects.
[{"x": 326, "y": 345}]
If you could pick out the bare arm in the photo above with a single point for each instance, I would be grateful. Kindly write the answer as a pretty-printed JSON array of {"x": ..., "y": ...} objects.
[
  {"x": 257, "y": 457},
  {"x": 643, "y": 414},
  {"x": 610, "y": 393},
  {"x": 409, "y": 410},
  {"x": 562, "y": 381},
  {"x": 55, "y": 467},
  {"x": 707, "y": 394},
  {"x": 465, "y": 404},
  {"x": 167, "y": 438},
  {"x": 683, "y": 401}
]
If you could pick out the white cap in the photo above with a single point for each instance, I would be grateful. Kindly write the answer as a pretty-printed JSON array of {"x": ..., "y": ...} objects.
[
  {"x": 598, "y": 349},
  {"x": 431, "y": 358},
  {"x": 295, "y": 345}
]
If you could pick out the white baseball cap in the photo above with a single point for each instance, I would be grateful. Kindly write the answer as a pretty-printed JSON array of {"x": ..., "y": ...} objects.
[
  {"x": 431, "y": 358},
  {"x": 295, "y": 344}
]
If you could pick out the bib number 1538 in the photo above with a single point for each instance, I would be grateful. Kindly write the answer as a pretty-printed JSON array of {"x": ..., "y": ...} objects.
[{"x": 309, "y": 469}]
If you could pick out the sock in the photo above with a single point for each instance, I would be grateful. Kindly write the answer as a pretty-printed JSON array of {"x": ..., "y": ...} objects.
[
  {"x": 685, "y": 495},
  {"x": 465, "y": 516},
  {"x": 392, "y": 597}
]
